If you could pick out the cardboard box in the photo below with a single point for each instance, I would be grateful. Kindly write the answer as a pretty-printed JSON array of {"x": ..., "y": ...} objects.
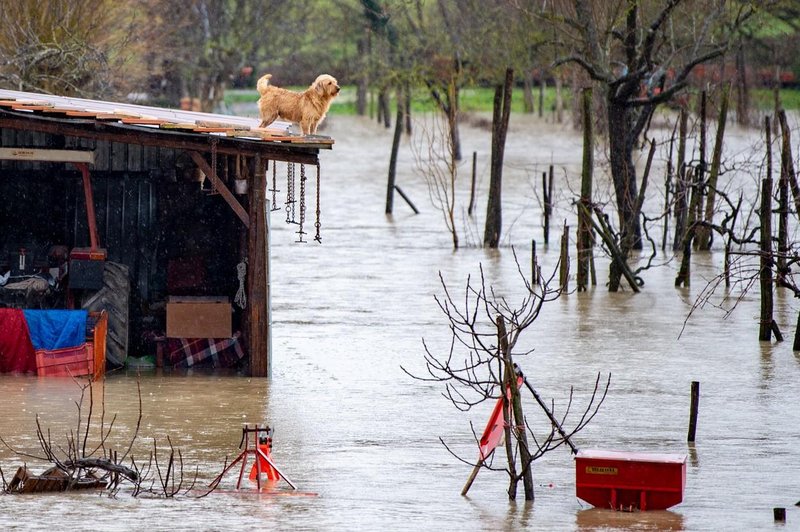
[{"x": 198, "y": 318}]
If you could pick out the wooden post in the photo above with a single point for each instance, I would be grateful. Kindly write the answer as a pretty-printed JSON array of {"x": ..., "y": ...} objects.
[
  {"x": 786, "y": 181},
  {"x": 407, "y": 199},
  {"x": 534, "y": 265},
  {"x": 667, "y": 189},
  {"x": 585, "y": 239},
  {"x": 796, "y": 344},
  {"x": 546, "y": 199},
  {"x": 471, "y": 479},
  {"x": 520, "y": 429},
  {"x": 693, "y": 410},
  {"x": 398, "y": 131},
  {"x": 681, "y": 184},
  {"x": 702, "y": 167},
  {"x": 684, "y": 274},
  {"x": 258, "y": 316},
  {"x": 563, "y": 270},
  {"x": 704, "y": 236},
  {"x": 765, "y": 273},
  {"x": 547, "y": 193},
  {"x": 472, "y": 187},
  {"x": 789, "y": 161}
]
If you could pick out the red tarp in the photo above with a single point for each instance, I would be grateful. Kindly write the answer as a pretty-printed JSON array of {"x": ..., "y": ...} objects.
[{"x": 16, "y": 350}]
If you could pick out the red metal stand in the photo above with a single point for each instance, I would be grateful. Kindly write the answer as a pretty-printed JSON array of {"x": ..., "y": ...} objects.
[{"x": 261, "y": 457}]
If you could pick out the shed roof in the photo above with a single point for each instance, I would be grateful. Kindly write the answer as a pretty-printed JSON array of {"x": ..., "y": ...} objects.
[{"x": 147, "y": 125}]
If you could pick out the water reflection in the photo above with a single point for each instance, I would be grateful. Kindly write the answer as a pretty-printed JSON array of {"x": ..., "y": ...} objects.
[
  {"x": 353, "y": 428},
  {"x": 599, "y": 519}
]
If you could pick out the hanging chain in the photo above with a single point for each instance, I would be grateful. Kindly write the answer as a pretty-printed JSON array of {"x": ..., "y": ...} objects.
[
  {"x": 290, "y": 190},
  {"x": 241, "y": 293},
  {"x": 317, "y": 224},
  {"x": 274, "y": 189},
  {"x": 300, "y": 231}
]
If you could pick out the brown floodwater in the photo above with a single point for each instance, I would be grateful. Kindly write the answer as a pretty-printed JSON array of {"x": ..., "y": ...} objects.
[{"x": 360, "y": 438}]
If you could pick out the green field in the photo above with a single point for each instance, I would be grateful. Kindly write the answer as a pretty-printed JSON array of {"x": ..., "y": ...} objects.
[{"x": 479, "y": 99}]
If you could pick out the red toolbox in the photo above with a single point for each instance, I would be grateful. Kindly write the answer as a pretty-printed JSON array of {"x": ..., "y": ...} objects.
[{"x": 630, "y": 481}]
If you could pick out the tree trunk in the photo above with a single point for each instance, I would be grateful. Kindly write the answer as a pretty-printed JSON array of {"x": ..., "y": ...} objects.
[
  {"x": 742, "y": 88},
  {"x": 585, "y": 237},
  {"x": 452, "y": 118},
  {"x": 623, "y": 173},
  {"x": 520, "y": 429},
  {"x": 363, "y": 79},
  {"x": 681, "y": 184},
  {"x": 398, "y": 130},
  {"x": 501, "y": 113},
  {"x": 527, "y": 93},
  {"x": 704, "y": 236},
  {"x": 383, "y": 108},
  {"x": 765, "y": 277}
]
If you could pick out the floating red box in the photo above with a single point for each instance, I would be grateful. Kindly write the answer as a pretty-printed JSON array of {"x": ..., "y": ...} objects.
[{"x": 627, "y": 481}]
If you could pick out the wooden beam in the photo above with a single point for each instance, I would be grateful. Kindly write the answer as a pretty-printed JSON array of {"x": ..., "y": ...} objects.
[
  {"x": 200, "y": 142},
  {"x": 258, "y": 318},
  {"x": 47, "y": 155},
  {"x": 224, "y": 191},
  {"x": 89, "y": 197}
]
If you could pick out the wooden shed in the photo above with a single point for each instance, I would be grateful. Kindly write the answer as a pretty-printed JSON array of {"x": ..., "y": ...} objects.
[{"x": 176, "y": 199}]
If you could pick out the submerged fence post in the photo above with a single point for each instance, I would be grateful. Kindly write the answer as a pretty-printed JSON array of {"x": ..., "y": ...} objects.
[
  {"x": 693, "y": 410},
  {"x": 472, "y": 187},
  {"x": 534, "y": 265},
  {"x": 767, "y": 259},
  {"x": 546, "y": 198},
  {"x": 585, "y": 238},
  {"x": 563, "y": 274}
]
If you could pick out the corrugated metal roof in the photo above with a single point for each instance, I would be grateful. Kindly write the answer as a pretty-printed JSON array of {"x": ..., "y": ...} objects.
[{"x": 148, "y": 118}]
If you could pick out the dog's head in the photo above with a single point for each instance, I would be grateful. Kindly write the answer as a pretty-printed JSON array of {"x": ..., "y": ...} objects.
[{"x": 326, "y": 85}]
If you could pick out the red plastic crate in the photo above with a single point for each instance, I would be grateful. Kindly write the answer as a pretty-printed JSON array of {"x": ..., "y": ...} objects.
[
  {"x": 627, "y": 481},
  {"x": 67, "y": 362},
  {"x": 87, "y": 359}
]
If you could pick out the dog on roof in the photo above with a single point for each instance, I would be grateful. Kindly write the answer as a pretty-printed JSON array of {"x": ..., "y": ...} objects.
[{"x": 307, "y": 108}]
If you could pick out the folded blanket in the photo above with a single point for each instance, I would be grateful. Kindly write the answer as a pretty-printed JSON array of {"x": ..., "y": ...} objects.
[
  {"x": 56, "y": 329},
  {"x": 16, "y": 350}
]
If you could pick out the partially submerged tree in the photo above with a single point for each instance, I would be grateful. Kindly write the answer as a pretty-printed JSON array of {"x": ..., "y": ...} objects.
[
  {"x": 640, "y": 53},
  {"x": 479, "y": 367},
  {"x": 85, "y": 459}
]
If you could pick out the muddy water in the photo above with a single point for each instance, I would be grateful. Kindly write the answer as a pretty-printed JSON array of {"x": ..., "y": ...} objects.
[{"x": 361, "y": 439}]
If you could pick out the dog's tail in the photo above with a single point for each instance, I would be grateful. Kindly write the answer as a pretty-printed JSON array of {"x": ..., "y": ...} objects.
[{"x": 263, "y": 83}]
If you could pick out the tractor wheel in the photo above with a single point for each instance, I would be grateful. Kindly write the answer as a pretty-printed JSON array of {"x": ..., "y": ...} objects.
[{"x": 114, "y": 299}]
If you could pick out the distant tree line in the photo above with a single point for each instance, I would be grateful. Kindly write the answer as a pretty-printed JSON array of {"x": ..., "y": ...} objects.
[
  {"x": 638, "y": 54},
  {"x": 198, "y": 48}
]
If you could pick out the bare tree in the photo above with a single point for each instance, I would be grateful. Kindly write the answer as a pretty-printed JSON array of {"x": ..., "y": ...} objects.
[
  {"x": 479, "y": 367},
  {"x": 70, "y": 47},
  {"x": 435, "y": 159},
  {"x": 641, "y": 53},
  {"x": 84, "y": 459},
  {"x": 198, "y": 46}
]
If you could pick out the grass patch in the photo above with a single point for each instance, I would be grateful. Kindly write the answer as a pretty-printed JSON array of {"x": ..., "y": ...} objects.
[{"x": 480, "y": 99}]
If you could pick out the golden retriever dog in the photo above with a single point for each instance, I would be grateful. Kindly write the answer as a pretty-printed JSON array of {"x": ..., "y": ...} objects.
[{"x": 307, "y": 108}]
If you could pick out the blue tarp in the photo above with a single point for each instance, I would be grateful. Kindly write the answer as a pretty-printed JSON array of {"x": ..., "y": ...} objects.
[{"x": 56, "y": 329}]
